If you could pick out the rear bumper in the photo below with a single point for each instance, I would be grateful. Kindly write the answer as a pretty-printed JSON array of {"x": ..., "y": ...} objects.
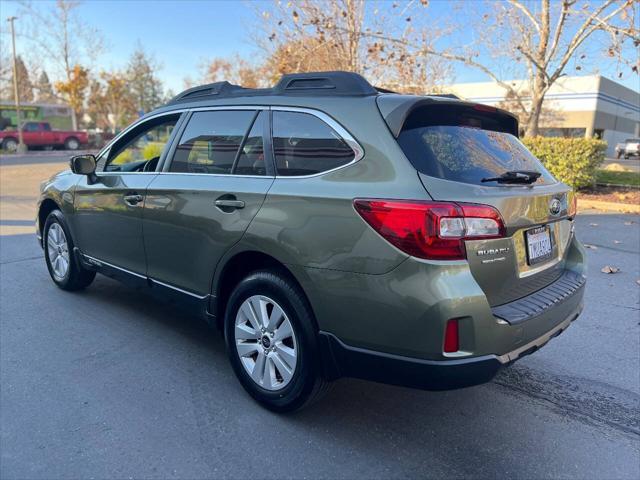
[{"x": 342, "y": 360}]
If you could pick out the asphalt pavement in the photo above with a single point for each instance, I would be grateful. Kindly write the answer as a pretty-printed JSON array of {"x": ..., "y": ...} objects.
[
  {"x": 110, "y": 383},
  {"x": 631, "y": 164},
  {"x": 40, "y": 156}
]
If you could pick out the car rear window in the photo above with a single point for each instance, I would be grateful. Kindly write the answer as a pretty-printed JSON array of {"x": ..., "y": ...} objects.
[{"x": 465, "y": 146}]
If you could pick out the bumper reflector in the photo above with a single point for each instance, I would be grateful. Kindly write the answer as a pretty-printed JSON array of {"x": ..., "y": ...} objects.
[{"x": 451, "y": 343}]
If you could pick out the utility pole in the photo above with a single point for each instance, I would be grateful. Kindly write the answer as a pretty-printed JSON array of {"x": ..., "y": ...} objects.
[{"x": 21, "y": 146}]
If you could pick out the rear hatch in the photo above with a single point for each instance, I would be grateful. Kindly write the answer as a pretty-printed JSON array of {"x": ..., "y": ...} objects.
[{"x": 454, "y": 146}]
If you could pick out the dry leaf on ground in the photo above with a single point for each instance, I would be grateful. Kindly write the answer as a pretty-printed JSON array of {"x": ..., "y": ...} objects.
[
  {"x": 631, "y": 222},
  {"x": 592, "y": 247},
  {"x": 609, "y": 269},
  {"x": 617, "y": 242},
  {"x": 593, "y": 224}
]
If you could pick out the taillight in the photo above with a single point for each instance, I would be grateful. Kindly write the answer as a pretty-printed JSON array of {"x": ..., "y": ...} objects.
[{"x": 431, "y": 230}]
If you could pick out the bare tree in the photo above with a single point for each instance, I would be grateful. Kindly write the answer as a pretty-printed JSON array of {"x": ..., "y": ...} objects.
[
  {"x": 314, "y": 35},
  {"x": 235, "y": 70},
  {"x": 539, "y": 39},
  {"x": 58, "y": 34}
]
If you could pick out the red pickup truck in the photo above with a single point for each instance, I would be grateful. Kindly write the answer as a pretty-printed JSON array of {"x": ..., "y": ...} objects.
[{"x": 39, "y": 134}]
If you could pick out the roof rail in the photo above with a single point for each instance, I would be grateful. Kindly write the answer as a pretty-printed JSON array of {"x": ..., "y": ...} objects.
[
  {"x": 307, "y": 84},
  {"x": 333, "y": 83},
  {"x": 216, "y": 88}
]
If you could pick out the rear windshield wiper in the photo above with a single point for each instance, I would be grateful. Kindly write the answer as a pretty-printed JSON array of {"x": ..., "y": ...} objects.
[{"x": 515, "y": 176}]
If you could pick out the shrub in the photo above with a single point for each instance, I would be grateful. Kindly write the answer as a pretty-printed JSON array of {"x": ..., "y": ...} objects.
[
  {"x": 152, "y": 150},
  {"x": 123, "y": 157},
  {"x": 573, "y": 161}
]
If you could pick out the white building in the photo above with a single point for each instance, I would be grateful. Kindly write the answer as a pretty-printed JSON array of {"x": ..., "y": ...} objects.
[{"x": 574, "y": 107}]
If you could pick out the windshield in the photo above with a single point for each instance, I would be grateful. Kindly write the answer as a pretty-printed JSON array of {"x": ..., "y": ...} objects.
[{"x": 467, "y": 154}]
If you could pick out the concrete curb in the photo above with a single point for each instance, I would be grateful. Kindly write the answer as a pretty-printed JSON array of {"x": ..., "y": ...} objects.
[{"x": 610, "y": 206}]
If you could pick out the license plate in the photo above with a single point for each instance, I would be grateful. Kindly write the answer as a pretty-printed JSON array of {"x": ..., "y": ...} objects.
[{"x": 539, "y": 246}]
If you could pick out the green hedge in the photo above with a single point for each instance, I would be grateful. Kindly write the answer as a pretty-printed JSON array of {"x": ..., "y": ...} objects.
[{"x": 573, "y": 161}]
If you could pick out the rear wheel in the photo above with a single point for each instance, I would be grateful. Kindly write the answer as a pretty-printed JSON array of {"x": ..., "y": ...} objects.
[
  {"x": 71, "y": 143},
  {"x": 272, "y": 342},
  {"x": 10, "y": 144},
  {"x": 65, "y": 272}
]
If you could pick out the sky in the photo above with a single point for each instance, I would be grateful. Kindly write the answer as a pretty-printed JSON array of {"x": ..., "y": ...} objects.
[{"x": 182, "y": 35}]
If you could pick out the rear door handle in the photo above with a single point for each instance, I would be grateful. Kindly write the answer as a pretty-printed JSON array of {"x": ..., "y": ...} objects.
[
  {"x": 228, "y": 203},
  {"x": 133, "y": 199}
]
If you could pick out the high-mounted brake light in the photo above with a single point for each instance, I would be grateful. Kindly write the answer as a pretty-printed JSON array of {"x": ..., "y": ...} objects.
[
  {"x": 484, "y": 108},
  {"x": 431, "y": 230}
]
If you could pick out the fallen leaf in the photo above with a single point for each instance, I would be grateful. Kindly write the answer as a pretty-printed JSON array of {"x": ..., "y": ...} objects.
[
  {"x": 609, "y": 269},
  {"x": 592, "y": 247},
  {"x": 629, "y": 223},
  {"x": 638, "y": 281},
  {"x": 617, "y": 242},
  {"x": 593, "y": 224}
]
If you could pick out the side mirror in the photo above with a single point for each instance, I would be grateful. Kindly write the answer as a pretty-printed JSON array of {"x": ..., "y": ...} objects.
[{"x": 84, "y": 165}]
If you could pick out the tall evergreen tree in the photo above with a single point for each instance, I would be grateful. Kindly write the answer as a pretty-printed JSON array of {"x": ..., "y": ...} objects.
[
  {"x": 44, "y": 90},
  {"x": 25, "y": 88},
  {"x": 144, "y": 85}
]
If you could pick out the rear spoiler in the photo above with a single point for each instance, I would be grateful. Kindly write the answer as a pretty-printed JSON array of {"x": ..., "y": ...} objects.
[{"x": 395, "y": 110}]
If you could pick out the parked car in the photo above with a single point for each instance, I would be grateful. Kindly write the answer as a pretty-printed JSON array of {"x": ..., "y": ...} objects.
[
  {"x": 329, "y": 230},
  {"x": 630, "y": 148},
  {"x": 40, "y": 134}
]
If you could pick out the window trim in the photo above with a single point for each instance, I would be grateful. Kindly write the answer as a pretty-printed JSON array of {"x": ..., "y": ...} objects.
[
  {"x": 266, "y": 138},
  {"x": 357, "y": 149},
  {"x": 106, "y": 149},
  {"x": 185, "y": 116}
]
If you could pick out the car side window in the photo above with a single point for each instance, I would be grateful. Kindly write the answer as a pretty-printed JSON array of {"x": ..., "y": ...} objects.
[
  {"x": 140, "y": 150},
  {"x": 211, "y": 142},
  {"x": 303, "y": 144}
]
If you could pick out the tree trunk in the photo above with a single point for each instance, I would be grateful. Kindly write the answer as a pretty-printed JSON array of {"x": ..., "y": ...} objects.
[
  {"x": 537, "y": 97},
  {"x": 74, "y": 120}
]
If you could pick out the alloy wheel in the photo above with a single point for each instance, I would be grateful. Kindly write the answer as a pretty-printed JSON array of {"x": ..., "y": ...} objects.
[
  {"x": 265, "y": 342},
  {"x": 58, "y": 251}
]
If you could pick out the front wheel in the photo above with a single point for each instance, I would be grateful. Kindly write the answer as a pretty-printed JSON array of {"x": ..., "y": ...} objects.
[
  {"x": 65, "y": 272},
  {"x": 272, "y": 342}
]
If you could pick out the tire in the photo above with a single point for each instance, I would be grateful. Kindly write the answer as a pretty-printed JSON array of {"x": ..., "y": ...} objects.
[
  {"x": 10, "y": 144},
  {"x": 65, "y": 271},
  {"x": 288, "y": 384},
  {"x": 71, "y": 143}
]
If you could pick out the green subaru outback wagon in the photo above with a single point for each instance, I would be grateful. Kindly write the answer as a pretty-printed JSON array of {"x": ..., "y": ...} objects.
[{"x": 330, "y": 229}]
